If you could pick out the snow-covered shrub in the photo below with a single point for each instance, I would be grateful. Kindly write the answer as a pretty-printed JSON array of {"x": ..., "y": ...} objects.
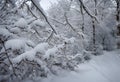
[{"x": 43, "y": 60}]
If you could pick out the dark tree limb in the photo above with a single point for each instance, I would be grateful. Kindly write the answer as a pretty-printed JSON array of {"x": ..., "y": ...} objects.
[
  {"x": 44, "y": 16},
  {"x": 30, "y": 11},
  {"x": 86, "y": 10},
  {"x": 68, "y": 23},
  {"x": 57, "y": 21}
]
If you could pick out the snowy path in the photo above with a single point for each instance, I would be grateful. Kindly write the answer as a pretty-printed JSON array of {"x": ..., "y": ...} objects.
[{"x": 104, "y": 68}]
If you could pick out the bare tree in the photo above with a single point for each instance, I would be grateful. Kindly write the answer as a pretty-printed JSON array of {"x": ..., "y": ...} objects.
[
  {"x": 81, "y": 9},
  {"x": 118, "y": 20}
]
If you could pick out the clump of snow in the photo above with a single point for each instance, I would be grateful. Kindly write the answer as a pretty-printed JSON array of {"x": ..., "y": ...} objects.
[
  {"x": 30, "y": 20},
  {"x": 49, "y": 30},
  {"x": 39, "y": 23},
  {"x": 21, "y": 23},
  {"x": 50, "y": 52},
  {"x": 15, "y": 30},
  {"x": 27, "y": 55},
  {"x": 78, "y": 54},
  {"x": 30, "y": 55},
  {"x": 15, "y": 44},
  {"x": 30, "y": 43},
  {"x": 4, "y": 32},
  {"x": 70, "y": 40},
  {"x": 42, "y": 47}
]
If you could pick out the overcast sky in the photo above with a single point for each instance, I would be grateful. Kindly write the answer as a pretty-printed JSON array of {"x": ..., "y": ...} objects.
[{"x": 47, "y": 3}]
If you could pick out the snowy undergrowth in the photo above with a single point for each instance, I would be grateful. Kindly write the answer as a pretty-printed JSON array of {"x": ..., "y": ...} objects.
[
  {"x": 35, "y": 45},
  {"x": 33, "y": 52},
  {"x": 103, "y": 68}
]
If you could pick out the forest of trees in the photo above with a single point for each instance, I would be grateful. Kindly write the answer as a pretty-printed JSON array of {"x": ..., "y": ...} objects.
[{"x": 37, "y": 43}]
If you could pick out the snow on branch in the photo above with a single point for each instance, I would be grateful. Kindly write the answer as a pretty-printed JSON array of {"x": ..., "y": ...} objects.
[
  {"x": 37, "y": 5},
  {"x": 86, "y": 10}
]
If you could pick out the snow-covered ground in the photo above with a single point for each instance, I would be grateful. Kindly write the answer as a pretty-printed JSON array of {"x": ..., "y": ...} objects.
[{"x": 103, "y": 68}]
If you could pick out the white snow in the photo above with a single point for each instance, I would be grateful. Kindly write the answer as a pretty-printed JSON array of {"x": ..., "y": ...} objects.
[
  {"x": 104, "y": 68},
  {"x": 21, "y": 23},
  {"x": 42, "y": 47},
  {"x": 27, "y": 55},
  {"x": 15, "y": 44},
  {"x": 15, "y": 30},
  {"x": 30, "y": 55},
  {"x": 21, "y": 43},
  {"x": 30, "y": 43},
  {"x": 4, "y": 32},
  {"x": 39, "y": 23},
  {"x": 50, "y": 52},
  {"x": 70, "y": 40}
]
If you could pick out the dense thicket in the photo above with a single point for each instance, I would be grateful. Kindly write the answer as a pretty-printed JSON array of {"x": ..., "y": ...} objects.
[{"x": 35, "y": 44}]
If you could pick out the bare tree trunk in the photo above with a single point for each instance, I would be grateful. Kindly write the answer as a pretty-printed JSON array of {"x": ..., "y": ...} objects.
[
  {"x": 94, "y": 35},
  {"x": 118, "y": 22},
  {"x": 94, "y": 29},
  {"x": 95, "y": 7},
  {"x": 118, "y": 17},
  {"x": 81, "y": 9},
  {"x": 118, "y": 11}
]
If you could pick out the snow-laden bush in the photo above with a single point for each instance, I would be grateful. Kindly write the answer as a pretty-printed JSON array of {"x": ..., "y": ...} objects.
[{"x": 45, "y": 59}]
